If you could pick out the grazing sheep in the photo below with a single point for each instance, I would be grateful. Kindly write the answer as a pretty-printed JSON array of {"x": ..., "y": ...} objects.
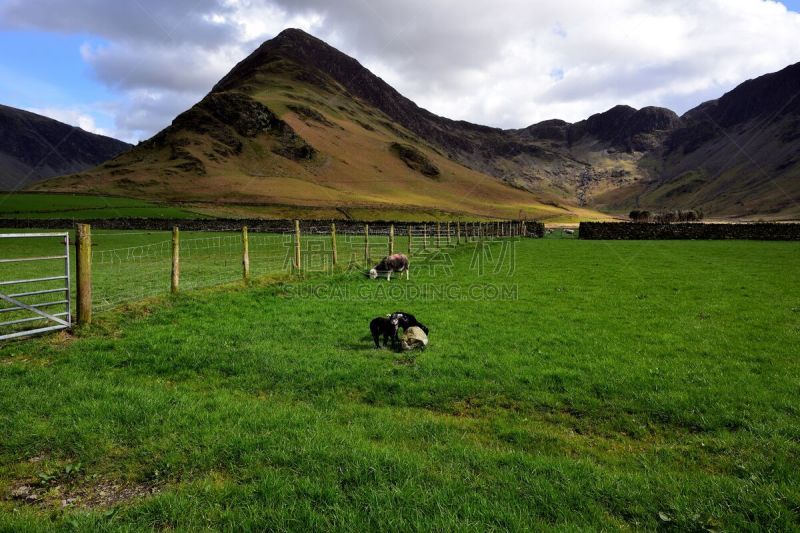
[
  {"x": 389, "y": 264},
  {"x": 407, "y": 320},
  {"x": 413, "y": 339},
  {"x": 386, "y": 326}
]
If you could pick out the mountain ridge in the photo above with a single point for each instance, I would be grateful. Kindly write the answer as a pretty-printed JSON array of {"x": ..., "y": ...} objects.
[
  {"x": 34, "y": 147},
  {"x": 324, "y": 113}
]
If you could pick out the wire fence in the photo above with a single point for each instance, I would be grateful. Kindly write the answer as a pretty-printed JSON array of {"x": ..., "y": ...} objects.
[{"x": 128, "y": 266}]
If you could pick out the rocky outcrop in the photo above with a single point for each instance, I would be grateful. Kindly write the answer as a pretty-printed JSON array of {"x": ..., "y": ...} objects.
[
  {"x": 414, "y": 159},
  {"x": 625, "y": 128},
  {"x": 227, "y": 118}
]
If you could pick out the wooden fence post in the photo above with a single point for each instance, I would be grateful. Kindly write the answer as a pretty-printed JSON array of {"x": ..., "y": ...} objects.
[
  {"x": 366, "y": 245},
  {"x": 245, "y": 255},
  {"x": 391, "y": 239},
  {"x": 409, "y": 240},
  {"x": 425, "y": 236},
  {"x": 176, "y": 260},
  {"x": 297, "y": 259},
  {"x": 458, "y": 232},
  {"x": 448, "y": 234},
  {"x": 333, "y": 244},
  {"x": 438, "y": 235},
  {"x": 83, "y": 261}
]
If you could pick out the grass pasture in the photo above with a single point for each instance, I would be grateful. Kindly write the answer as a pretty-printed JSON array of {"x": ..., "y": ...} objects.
[
  {"x": 84, "y": 207},
  {"x": 568, "y": 385}
]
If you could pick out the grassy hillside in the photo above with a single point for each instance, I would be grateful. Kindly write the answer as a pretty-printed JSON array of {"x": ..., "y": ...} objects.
[
  {"x": 355, "y": 169},
  {"x": 84, "y": 207},
  {"x": 623, "y": 387}
]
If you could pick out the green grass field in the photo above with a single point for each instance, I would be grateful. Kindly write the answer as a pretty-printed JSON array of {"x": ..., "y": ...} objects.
[
  {"x": 83, "y": 207},
  {"x": 568, "y": 385}
]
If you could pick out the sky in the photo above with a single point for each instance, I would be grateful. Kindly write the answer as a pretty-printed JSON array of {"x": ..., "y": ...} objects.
[{"x": 126, "y": 68}]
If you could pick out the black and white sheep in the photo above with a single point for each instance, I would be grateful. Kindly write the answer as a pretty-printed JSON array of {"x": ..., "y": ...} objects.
[{"x": 389, "y": 264}]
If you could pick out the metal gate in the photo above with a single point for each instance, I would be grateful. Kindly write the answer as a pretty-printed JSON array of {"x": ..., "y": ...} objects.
[{"x": 36, "y": 317}]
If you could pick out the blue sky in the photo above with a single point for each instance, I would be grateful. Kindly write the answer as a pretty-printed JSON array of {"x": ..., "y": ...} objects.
[
  {"x": 42, "y": 70},
  {"x": 135, "y": 75}
]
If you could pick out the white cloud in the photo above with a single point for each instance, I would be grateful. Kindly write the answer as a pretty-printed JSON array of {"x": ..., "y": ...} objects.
[{"x": 508, "y": 64}]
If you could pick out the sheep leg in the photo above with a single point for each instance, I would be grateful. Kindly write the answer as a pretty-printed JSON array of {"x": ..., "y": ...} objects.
[{"x": 389, "y": 276}]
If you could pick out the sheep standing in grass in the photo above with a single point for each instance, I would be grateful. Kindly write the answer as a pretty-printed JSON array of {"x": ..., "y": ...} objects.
[{"x": 389, "y": 264}]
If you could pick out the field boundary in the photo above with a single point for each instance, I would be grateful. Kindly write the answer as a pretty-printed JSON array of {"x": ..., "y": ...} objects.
[
  {"x": 533, "y": 229},
  {"x": 761, "y": 231}
]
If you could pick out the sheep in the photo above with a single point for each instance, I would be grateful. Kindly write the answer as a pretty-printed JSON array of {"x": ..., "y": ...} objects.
[
  {"x": 389, "y": 264},
  {"x": 407, "y": 320},
  {"x": 386, "y": 326}
]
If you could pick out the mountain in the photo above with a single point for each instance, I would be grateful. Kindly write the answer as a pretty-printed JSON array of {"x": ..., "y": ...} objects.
[
  {"x": 34, "y": 148},
  {"x": 735, "y": 156},
  {"x": 563, "y": 168},
  {"x": 298, "y": 124}
]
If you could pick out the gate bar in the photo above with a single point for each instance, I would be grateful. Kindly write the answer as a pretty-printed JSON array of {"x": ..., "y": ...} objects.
[
  {"x": 34, "y": 293},
  {"x": 37, "y": 306},
  {"x": 32, "y": 319},
  {"x": 24, "y": 259},
  {"x": 33, "y": 310},
  {"x": 24, "y": 235},
  {"x": 21, "y": 281},
  {"x": 30, "y": 332},
  {"x": 68, "y": 308}
]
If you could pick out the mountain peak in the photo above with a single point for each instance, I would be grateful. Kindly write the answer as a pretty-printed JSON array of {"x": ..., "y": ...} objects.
[{"x": 294, "y": 34}]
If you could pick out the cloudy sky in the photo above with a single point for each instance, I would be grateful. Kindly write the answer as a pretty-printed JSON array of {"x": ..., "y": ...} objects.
[{"x": 126, "y": 68}]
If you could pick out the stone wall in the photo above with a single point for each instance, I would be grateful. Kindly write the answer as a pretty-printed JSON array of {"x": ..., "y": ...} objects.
[
  {"x": 535, "y": 229},
  {"x": 689, "y": 231}
]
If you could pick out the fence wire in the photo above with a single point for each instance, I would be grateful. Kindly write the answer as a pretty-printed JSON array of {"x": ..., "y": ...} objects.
[{"x": 131, "y": 266}]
